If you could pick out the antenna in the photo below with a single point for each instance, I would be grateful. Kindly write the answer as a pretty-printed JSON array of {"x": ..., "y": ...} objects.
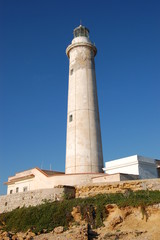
[
  {"x": 41, "y": 164},
  {"x": 80, "y": 22},
  {"x": 50, "y": 167}
]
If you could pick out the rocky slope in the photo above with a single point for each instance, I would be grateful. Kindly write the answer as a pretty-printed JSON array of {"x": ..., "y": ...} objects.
[{"x": 126, "y": 223}]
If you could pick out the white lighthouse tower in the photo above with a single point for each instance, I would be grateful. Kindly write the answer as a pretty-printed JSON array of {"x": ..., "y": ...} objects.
[{"x": 84, "y": 145}]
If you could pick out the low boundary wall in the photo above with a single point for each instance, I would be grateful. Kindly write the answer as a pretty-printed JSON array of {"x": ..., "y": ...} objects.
[
  {"x": 115, "y": 187},
  {"x": 33, "y": 198}
]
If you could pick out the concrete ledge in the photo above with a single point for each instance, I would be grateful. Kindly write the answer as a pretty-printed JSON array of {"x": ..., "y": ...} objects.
[{"x": 107, "y": 178}]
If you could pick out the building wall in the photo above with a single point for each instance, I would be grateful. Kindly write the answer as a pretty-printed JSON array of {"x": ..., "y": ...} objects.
[
  {"x": 128, "y": 165},
  {"x": 126, "y": 177},
  {"x": 114, "y": 178},
  {"x": 19, "y": 186},
  {"x": 40, "y": 181},
  {"x": 107, "y": 178},
  {"x": 136, "y": 165},
  {"x": 147, "y": 168},
  {"x": 34, "y": 198},
  {"x": 74, "y": 179}
]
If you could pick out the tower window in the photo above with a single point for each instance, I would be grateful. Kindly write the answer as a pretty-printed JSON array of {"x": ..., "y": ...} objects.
[
  {"x": 71, "y": 72},
  {"x": 70, "y": 118},
  {"x": 11, "y": 191},
  {"x": 17, "y": 190}
]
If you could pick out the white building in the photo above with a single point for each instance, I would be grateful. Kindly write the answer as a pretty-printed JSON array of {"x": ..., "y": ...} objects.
[
  {"x": 129, "y": 168},
  {"x": 32, "y": 179},
  {"x": 144, "y": 167},
  {"x": 36, "y": 178}
]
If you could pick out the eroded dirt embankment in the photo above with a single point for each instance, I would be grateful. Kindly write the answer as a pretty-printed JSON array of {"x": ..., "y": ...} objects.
[{"x": 127, "y": 223}]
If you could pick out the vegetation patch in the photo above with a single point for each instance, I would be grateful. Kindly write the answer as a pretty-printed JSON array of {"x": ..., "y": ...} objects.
[{"x": 53, "y": 214}]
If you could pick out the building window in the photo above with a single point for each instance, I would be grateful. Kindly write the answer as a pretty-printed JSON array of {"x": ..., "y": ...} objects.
[
  {"x": 5, "y": 203},
  {"x": 11, "y": 191},
  {"x": 70, "y": 118},
  {"x": 158, "y": 171},
  {"x": 17, "y": 190},
  {"x": 71, "y": 72},
  {"x": 25, "y": 189}
]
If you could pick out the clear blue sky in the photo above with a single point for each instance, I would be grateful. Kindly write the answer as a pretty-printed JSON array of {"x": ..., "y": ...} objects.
[{"x": 34, "y": 79}]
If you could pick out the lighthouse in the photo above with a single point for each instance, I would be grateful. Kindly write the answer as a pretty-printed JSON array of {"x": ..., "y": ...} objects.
[{"x": 83, "y": 141}]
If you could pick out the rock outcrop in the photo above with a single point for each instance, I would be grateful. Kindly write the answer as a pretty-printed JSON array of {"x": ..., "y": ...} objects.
[{"x": 127, "y": 223}]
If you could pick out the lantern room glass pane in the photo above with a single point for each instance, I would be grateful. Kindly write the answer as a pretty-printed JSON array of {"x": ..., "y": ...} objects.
[{"x": 81, "y": 32}]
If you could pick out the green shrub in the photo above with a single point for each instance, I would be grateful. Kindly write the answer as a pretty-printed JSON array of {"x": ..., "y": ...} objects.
[{"x": 50, "y": 215}]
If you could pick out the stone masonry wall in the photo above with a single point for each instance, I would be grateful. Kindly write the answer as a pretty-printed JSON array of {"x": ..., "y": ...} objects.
[
  {"x": 33, "y": 198},
  {"x": 115, "y": 187}
]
